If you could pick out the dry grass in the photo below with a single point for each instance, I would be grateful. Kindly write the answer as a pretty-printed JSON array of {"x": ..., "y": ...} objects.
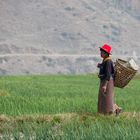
[
  {"x": 39, "y": 118},
  {"x": 66, "y": 117},
  {"x": 4, "y": 93}
]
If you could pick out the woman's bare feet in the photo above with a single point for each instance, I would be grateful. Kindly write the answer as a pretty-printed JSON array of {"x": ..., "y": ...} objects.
[{"x": 118, "y": 111}]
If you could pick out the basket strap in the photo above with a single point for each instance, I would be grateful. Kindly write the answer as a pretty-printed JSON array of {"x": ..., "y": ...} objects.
[{"x": 106, "y": 59}]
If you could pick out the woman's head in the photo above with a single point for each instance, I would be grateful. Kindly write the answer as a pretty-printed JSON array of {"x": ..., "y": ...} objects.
[
  {"x": 103, "y": 54},
  {"x": 105, "y": 50}
]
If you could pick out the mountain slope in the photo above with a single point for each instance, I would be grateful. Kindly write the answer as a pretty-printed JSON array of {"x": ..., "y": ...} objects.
[{"x": 76, "y": 27}]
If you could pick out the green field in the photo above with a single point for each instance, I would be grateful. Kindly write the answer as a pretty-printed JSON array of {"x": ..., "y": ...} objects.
[{"x": 64, "y": 107}]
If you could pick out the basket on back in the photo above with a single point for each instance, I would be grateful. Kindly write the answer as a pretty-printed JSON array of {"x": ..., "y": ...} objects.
[{"x": 123, "y": 73}]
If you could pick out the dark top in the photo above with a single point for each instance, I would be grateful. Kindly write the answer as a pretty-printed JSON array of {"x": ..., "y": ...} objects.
[{"x": 106, "y": 70}]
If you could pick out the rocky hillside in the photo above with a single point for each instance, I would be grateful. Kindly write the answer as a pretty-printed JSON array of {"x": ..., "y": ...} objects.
[{"x": 60, "y": 36}]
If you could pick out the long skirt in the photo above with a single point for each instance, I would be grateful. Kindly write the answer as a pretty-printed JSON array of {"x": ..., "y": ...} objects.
[{"x": 105, "y": 100}]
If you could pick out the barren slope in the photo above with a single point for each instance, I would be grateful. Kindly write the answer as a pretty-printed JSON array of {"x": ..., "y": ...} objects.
[{"x": 62, "y": 28}]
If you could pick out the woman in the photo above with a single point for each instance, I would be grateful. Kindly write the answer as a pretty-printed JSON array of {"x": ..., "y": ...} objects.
[{"x": 106, "y": 75}]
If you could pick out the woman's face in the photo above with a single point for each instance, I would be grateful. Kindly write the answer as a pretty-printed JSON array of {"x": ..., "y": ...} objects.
[{"x": 103, "y": 54}]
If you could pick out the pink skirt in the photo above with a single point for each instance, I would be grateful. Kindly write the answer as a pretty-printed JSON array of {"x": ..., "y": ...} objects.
[{"x": 105, "y": 100}]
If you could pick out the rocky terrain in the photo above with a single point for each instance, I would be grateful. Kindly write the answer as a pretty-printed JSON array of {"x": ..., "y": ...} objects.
[{"x": 60, "y": 36}]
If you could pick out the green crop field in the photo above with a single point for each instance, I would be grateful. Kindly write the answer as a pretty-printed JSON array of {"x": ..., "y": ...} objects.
[{"x": 62, "y": 107}]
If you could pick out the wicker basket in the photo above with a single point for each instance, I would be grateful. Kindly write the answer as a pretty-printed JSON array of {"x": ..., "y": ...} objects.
[{"x": 123, "y": 74}]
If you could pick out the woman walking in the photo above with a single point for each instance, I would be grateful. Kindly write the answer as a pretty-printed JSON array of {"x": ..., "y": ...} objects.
[{"x": 106, "y": 74}]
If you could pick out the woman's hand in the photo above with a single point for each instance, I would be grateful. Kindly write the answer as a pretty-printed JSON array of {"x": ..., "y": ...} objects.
[
  {"x": 104, "y": 86},
  {"x": 104, "y": 89},
  {"x": 98, "y": 65}
]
